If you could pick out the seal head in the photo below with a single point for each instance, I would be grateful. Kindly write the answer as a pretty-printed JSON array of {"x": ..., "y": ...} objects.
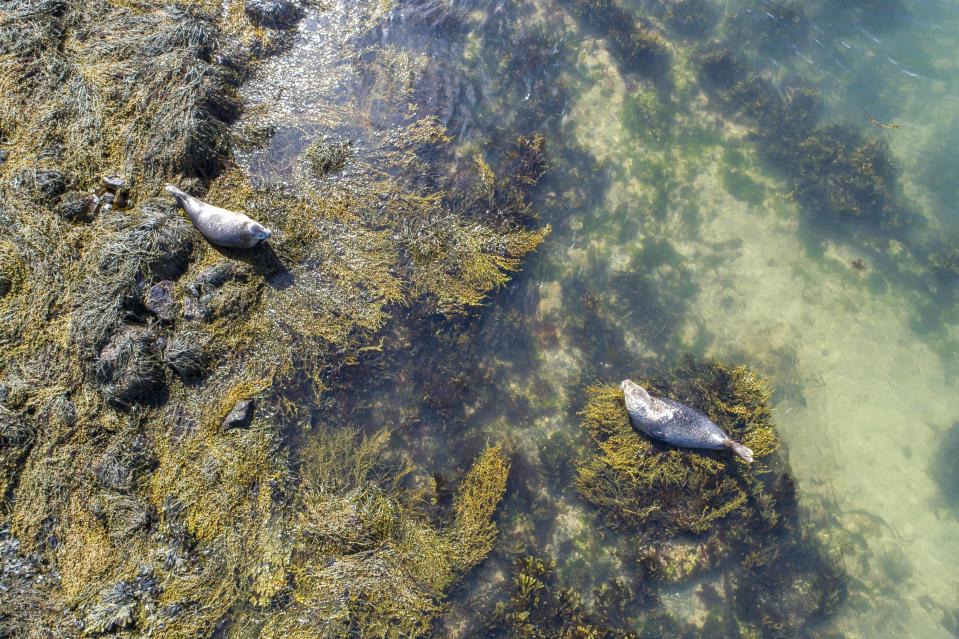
[{"x": 675, "y": 423}]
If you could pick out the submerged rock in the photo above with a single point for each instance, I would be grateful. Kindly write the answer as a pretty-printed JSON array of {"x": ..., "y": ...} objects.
[{"x": 240, "y": 416}]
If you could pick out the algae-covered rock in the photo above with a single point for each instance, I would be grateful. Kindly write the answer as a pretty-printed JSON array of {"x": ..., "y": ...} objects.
[
  {"x": 129, "y": 367},
  {"x": 275, "y": 14}
]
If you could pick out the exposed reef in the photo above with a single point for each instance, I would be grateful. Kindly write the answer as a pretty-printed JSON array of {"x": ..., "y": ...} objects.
[{"x": 161, "y": 471}]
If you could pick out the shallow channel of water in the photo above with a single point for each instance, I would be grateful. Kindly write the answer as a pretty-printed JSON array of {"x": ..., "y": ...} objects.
[{"x": 671, "y": 235}]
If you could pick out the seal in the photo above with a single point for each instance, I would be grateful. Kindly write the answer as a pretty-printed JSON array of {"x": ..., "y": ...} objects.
[
  {"x": 675, "y": 423},
  {"x": 220, "y": 226}
]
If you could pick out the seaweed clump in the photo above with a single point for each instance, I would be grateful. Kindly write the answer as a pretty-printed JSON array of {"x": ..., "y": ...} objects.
[
  {"x": 836, "y": 171},
  {"x": 539, "y": 607},
  {"x": 366, "y": 563},
  {"x": 691, "y": 17},
  {"x": 659, "y": 490},
  {"x": 638, "y": 48},
  {"x": 690, "y": 510},
  {"x": 943, "y": 469}
]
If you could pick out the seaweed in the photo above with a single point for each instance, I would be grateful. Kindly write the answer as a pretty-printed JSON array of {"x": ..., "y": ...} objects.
[
  {"x": 836, "y": 171},
  {"x": 326, "y": 158},
  {"x": 639, "y": 49},
  {"x": 539, "y": 607},
  {"x": 943, "y": 469},
  {"x": 691, "y": 17},
  {"x": 127, "y": 340},
  {"x": 688, "y": 511}
]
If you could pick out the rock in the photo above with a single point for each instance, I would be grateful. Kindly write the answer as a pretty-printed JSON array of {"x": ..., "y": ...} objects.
[
  {"x": 76, "y": 206},
  {"x": 114, "y": 183},
  {"x": 106, "y": 203},
  {"x": 4, "y": 154},
  {"x": 159, "y": 301},
  {"x": 45, "y": 185},
  {"x": 240, "y": 416},
  {"x": 129, "y": 369},
  {"x": 273, "y": 14},
  {"x": 119, "y": 188},
  {"x": 192, "y": 309},
  {"x": 185, "y": 354}
]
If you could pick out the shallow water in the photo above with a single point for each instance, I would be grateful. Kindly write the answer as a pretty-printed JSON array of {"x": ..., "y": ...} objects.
[{"x": 671, "y": 235}]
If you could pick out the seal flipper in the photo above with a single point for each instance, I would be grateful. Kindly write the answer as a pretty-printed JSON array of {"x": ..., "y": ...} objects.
[
  {"x": 739, "y": 449},
  {"x": 182, "y": 198}
]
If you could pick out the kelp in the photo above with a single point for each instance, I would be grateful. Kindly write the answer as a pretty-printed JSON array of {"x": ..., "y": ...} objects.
[
  {"x": 687, "y": 511},
  {"x": 540, "y": 608},
  {"x": 659, "y": 490},
  {"x": 127, "y": 339},
  {"x": 834, "y": 170},
  {"x": 637, "y": 46}
]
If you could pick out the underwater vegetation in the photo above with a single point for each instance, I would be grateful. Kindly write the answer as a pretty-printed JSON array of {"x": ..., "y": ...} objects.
[
  {"x": 539, "y": 607},
  {"x": 638, "y": 48},
  {"x": 944, "y": 471},
  {"x": 688, "y": 511},
  {"x": 155, "y": 478},
  {"x": 835, "y": 170}
]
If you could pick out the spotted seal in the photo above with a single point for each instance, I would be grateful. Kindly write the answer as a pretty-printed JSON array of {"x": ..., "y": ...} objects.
[
  {"x": 674, "y": 423},
  {"x": 220, "y": 226}
]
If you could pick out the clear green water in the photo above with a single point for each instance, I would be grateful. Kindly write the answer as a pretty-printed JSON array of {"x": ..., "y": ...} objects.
[{"x": 671, "y": 235}]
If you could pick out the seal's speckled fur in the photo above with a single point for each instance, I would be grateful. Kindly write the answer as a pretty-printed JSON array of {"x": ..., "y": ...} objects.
[
  {"x": 220, "y": 226},
  {"x": 677, "y": 424}
]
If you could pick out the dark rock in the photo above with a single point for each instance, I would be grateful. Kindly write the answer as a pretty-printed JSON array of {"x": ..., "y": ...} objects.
[
  {"x": 76, "y": 206},
  {"x": 129, "y": 369},
  {"x": 119, "y": 188},
  {"x": 106, "y": 203},
  {"x": 159, "y": 301},
  {"x": 44, "y": 185},
  {"x": 4, "y": 154},
  {"x": 240, "y": 416},
  {"x": 273, "y": 14}
]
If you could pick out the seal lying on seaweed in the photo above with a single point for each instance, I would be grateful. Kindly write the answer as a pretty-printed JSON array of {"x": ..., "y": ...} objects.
[
  {"x": 220, "y": 226},
  {"x": 674, "y": 423}
]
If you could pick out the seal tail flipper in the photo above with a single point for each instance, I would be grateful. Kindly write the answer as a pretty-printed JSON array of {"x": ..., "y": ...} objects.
[{"x": 739, "y": 449}]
